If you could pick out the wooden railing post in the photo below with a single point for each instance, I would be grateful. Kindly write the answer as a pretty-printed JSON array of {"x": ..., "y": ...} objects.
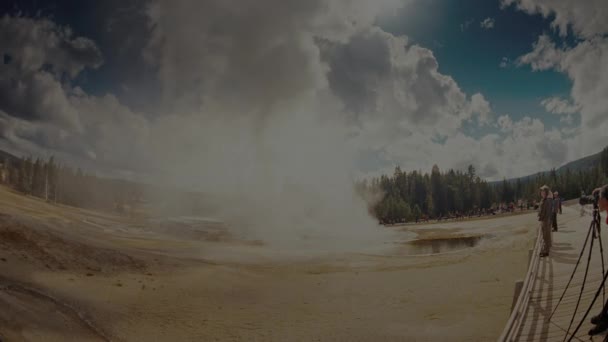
[{"x": 522, "y": 294}]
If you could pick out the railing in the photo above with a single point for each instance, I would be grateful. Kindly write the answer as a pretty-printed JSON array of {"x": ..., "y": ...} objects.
[{"x": 519, "y": 310}]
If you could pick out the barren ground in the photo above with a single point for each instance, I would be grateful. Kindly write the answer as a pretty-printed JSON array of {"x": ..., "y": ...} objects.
[{"x": 70, "y": 274}]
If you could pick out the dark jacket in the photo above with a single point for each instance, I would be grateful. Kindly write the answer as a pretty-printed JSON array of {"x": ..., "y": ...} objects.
[
  {"x": 545, "y": 210},
  {"x": 557, "y": 205}
]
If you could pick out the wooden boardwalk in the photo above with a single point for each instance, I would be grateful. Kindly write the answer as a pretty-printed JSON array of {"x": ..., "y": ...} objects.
[{"x": 546, "y": 280}]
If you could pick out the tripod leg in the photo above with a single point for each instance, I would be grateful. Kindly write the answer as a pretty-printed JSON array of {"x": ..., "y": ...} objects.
[
  {"x": 582, "y": 289},
  {"x": 597, "y": 294},
  {"x": 599, "y": 237},
  {"x": 573, "y": 272}
]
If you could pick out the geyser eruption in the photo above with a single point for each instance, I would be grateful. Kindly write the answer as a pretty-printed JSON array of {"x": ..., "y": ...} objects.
[{"x": 253, "y": 121}]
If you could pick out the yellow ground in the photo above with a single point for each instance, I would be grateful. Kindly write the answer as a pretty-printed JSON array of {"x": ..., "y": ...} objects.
[{"x": 76, "y": 275}]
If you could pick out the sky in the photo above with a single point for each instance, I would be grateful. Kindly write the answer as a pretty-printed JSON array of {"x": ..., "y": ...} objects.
[{"x": 233, "y": 93}]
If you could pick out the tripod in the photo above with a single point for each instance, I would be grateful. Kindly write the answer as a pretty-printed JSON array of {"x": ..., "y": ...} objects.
[{"x": 595, "y": 230}]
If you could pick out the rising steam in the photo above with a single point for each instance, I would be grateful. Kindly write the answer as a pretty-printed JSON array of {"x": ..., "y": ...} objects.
[{"x": 252, "y": 122}]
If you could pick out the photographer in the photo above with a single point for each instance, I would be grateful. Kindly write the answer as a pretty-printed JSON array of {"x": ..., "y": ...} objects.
[
  {"x": 603, "y": 202},
  {"x": 601, "y": 320}
]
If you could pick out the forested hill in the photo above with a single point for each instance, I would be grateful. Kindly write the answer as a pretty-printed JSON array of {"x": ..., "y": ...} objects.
[
  {"x": 54, "y": 181},
  {"x": 402, "y": 196},
  {"x": 406, "y": 196},
  {"x": 583, "y": 164}
]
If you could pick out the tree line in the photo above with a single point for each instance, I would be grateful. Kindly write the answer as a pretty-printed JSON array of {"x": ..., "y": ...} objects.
[
  {"x": 403, "y": 196},
  {"x": 400, "y": 197},
  {"x": 59, "y": 183}
]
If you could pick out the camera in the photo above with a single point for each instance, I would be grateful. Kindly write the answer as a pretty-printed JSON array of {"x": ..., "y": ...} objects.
[{"x": 591, "y": 199}]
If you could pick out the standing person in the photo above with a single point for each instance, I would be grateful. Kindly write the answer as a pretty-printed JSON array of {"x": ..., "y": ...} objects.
[
  {"x": 544, "y": 216},
  {"x": 582, "y": 206},
  {"x": 557, "y": 208}
]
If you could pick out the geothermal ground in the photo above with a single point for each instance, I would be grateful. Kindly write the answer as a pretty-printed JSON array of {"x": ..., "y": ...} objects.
[{"x": 70, "y": 274}]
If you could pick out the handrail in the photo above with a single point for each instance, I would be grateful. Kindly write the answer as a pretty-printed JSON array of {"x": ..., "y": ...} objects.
[{"x": 515, "y": 320}]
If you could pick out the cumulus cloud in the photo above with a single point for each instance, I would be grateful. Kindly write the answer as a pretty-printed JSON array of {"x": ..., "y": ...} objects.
[
  {"x": 487, "y": 23},
  {"x": 481, "y": 107},
  {"x": 567, "y": 120},
  {"x": 42, "y": 113},
  {"x": 38, "y": 55},
  {"x": 586, "y": 19},
  {"x": 380, "y": 77},
  {"x": 544, "y": 55},
  {"x": 34, "y": 43},
  {"x": 236, "y": 59},
  {"x": 505, "y": 123},
  {"x": 557, "y": 105},
  {"x": 37, "y": 96},
  {"x": 504, "y": 62},
  {"x": 464, "y": 26},
  {"x": 523, "y": 147},
  {"x": 586, "y": 65},
  {"x": 322, "y": 64}
]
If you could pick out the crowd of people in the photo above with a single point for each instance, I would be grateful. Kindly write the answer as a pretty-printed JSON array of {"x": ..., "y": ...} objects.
[{"x": 477, "y": 212}]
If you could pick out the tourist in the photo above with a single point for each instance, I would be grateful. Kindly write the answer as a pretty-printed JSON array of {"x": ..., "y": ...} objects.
[
  {"x": 557, "y": 208},
  {"x": 544, "y": 216}
]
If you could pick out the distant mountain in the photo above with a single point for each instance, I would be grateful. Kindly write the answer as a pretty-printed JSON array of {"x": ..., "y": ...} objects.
[{"x": 582, "y": 164}]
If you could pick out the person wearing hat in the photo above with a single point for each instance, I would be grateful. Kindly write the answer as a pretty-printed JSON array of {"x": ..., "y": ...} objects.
[
  {"x": 557, "y": 208},
  {"x": 544, "y": 216}
]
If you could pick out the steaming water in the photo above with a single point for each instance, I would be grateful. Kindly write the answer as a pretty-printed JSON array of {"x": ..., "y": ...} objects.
[{"x": 424, "y": 240}]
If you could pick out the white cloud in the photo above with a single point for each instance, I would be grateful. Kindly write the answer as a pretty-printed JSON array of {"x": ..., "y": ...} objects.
[
  {"x": 380, "y": 77},
  {"x": 543, "y": 56},
  {"x": 586, "y": 64},
  {"x": 525, "y": 146},
  {"x": 505, "y": 123},
  {"x": 41, "y": 54},
  {"x": 487, "y": 23},
  {"x": 504, "y": 62},
  {"x": 481, "y": 107},
  {"x": 557, "y": 105},
  {"x": 570, "y": 132},
  {"x": 587, "y": 67},
  {"x": 464, "y": 26},
  {"x": 567, "y": 120},
  {"x": 33, "y": 43},
  {"x": 586, "y": 19}
]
